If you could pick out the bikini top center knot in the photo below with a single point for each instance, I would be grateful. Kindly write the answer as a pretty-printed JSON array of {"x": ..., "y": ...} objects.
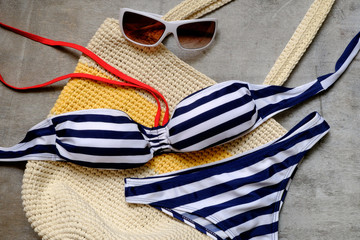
[{"x": 157, "y": 138}]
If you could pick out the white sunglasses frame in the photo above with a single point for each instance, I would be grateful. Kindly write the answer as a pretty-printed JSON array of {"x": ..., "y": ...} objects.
[{"x": 170, "y": 27}]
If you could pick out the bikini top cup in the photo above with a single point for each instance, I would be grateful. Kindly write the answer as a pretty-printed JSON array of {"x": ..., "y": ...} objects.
[{"x": 106, "y": 138}]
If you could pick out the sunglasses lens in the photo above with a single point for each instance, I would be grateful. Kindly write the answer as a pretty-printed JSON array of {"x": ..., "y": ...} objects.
[
  {"x": 142, "y": 29},
  {"x": 196, "y": 35}
]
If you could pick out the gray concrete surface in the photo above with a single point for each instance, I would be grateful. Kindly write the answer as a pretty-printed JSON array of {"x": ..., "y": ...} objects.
[{"x": 324, "y": 199}]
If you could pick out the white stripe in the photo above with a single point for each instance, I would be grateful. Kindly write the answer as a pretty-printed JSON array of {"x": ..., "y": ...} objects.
[
  {"x": 276, "y": 98},
  {"x": 138, "y": 159},
  {"x": 330, "y": 80},
  {"x": 167, "y": 212},
  {"x": 314, "y": 140},
  {"x": 230, "y": 133},
  {"x": 254, "y": 222},
  {"x": 238, "y": 192},
  {"x": 189, "y": 223},
  {"x": 43, "y": 140},
  {"x": 104, "y": 143},
  {"x": 210, "y": 235},
  {"x": 213, "y": 180},
  {"x": 213, "y": 122},
  {"x": 116, "y": 127},
  {"x": 315, "y": 121},
  {"x": 34, "y": 156},
  {"x": 236, "y": 210},
  {"x": 216, "y": 102},
  {"x": 222, "y": 234},
  {"x": 134, "y": 182},
  {"x": 288, "y": 185},
  {"x": 206, "y": 92},
  {"x": 256, "y": 87},
  {"x": 156, "y": 131},
  {"x": 204, "y": 223},
  {"x": 281, "y": 204}
]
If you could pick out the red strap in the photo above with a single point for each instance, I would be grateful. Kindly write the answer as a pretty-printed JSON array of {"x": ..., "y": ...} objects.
[{"x": 131, "y": 81}]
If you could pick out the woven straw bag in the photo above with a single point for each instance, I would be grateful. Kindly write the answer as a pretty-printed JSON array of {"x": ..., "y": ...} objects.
[{"x": 66, "y": 201}]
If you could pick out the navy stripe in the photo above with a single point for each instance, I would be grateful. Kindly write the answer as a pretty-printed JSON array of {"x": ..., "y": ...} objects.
[
  {"x": 183, "y": 218},
  {"x": 350, "y": 47},
  {"x": 91, "y": 118},
  {"x": 104, "y": 134},
  {"x": 196, "y": 176},
  {"x": 225, "y": 140},
  {"x": 224, "y": 126},
  {"x": 323, "y": 77},
  {"x": 259, "y": 231},
  {"x": 304, "y": 121},
  {"x": 33, "y": 134},
  {"x": 287, "y": 103},
  {"x": 218, "y": 189},
  {"x": 208, "y": 98},
  {"x": 249, "y": 215},
  {"x": 268, "y": 91},
  {"x": 97, "y": 151},
  {"x": 213, "y": 112},
  {"x": 248, "y": 198},
  {"x": 31, "y": 150}
]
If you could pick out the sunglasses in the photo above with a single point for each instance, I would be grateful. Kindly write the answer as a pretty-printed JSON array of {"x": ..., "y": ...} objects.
[{"x": 149, "y": 30}]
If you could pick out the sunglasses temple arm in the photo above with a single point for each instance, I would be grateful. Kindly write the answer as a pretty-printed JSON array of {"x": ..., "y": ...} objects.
[{"x": 133, "y": 82}]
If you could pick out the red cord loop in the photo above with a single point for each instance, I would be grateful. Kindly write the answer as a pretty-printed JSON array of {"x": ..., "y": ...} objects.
[{"x": 130, "y": 82}]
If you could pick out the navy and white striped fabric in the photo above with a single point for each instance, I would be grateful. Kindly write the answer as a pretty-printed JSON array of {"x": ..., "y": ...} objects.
[
  {"x": 106, "y": 138},
  {"x": 236, "y": 198}
]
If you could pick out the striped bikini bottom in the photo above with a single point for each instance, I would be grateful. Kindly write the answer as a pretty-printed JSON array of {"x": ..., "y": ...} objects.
[{"x": 236, "y": 198}]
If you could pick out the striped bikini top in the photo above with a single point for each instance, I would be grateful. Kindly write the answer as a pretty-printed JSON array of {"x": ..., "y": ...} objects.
[{"x": 106, "y": 138}]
